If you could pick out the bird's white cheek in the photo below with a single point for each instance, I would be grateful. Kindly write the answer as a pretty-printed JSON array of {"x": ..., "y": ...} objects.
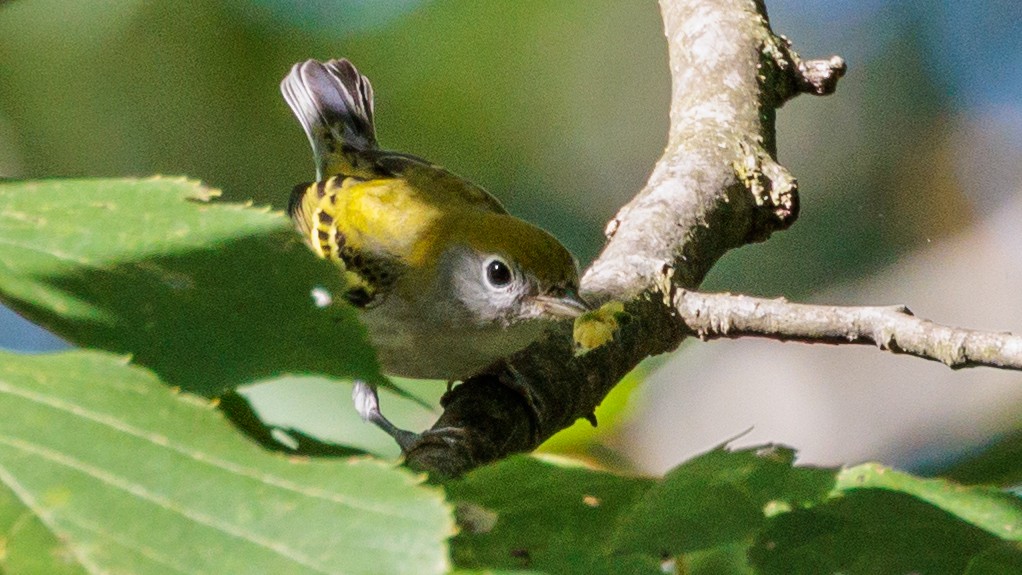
[
  {"x": 469, "y": 298},
  {"x": 483, "y": 305}
]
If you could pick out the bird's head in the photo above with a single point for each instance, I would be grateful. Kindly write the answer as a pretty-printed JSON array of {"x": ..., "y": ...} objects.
[{"x": 500, "y": 270}]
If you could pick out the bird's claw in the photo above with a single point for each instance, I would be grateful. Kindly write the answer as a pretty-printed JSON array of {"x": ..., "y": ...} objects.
[{"x": 367, "y": 404}]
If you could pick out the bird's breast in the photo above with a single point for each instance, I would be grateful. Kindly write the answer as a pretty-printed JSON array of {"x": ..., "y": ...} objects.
[{"x": 407, "y": 346}]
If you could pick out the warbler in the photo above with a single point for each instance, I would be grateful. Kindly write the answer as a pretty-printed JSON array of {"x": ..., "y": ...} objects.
[{"x": 447, "y": 280}]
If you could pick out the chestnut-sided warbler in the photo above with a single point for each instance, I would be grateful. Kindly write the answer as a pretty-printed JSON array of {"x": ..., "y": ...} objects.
[{"x": 448, "y": 281}]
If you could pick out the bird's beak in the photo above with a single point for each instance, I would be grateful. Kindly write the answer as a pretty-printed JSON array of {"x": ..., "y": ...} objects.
[{"x": 566, "y": 305}]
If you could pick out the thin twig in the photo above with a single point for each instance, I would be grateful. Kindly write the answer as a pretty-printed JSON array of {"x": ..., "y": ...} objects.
[{"x": 893, "y": 328}]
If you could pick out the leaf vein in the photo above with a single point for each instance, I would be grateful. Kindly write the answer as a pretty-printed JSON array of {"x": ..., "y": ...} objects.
[
  {"x": 200, "y": 457},
  {"x": 48, "y": 519},
  {"x": 160, "y": 501},
  {"x": 50, "y": 252},
  {"x": 136, "y": 546}
]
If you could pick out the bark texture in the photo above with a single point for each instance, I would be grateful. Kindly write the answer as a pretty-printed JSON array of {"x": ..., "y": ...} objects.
[
  {"x": 891, "y": 328},
  {"x": 717, "y": 187}
]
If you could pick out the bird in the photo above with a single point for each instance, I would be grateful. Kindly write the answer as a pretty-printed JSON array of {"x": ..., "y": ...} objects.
[{"x": 447, "y": 281}]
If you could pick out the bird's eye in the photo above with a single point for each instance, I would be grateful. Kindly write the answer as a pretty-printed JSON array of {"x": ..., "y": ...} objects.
[{"x": 498, "y": 273}]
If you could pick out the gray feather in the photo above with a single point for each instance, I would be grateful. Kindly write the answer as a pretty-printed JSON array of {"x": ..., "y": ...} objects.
[{"x": 334, "y": 104}]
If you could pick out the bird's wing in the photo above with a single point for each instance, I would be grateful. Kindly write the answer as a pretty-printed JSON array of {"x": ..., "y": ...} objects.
[
  {"x": 356, "y": 224},
  {"x": 435, "y": 184}
]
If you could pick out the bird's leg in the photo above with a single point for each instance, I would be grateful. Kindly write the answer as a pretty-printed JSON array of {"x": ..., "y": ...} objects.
[{"x": 367, "y": 404}]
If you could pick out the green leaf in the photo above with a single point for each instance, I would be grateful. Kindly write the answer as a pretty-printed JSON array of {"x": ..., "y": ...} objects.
[
  {"x": 1002, "y": 558},
  {"x": 883, "y": 521},
  {"x": 1000, "y": 464},
  {"x": 134, "y": 479},
  {"x": 729, "y": 559},
  {"x": 527, "y": 513},
  {"x": 742, "y": 511},
  {"x": 27, "y": 545},
  {"x": 209, "y": 295},
  {"x": 868, "y": 532},
  {"x": 719, "y": 498},
  {"x": 991, "y": 509},
  {"x": 494, "y": 572}
]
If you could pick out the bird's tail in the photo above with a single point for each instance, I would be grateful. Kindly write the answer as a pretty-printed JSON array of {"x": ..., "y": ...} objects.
[{"x": 334, "y": 104}]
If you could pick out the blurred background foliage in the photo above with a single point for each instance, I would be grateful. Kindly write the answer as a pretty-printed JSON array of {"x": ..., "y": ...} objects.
[{"x": 560, "y": 109}]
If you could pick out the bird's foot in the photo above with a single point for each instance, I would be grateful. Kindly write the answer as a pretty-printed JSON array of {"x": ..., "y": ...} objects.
[{"x": 367, "y": 404}]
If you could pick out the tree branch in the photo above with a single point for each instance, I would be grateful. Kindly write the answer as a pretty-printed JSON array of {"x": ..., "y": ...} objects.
[
  {"x": 716, "y": 187},
  {"x": 894, "y": 328}
]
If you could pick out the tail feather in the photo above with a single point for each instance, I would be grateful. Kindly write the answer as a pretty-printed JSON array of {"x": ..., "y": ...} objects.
[{"x": 334, "y": 104}]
